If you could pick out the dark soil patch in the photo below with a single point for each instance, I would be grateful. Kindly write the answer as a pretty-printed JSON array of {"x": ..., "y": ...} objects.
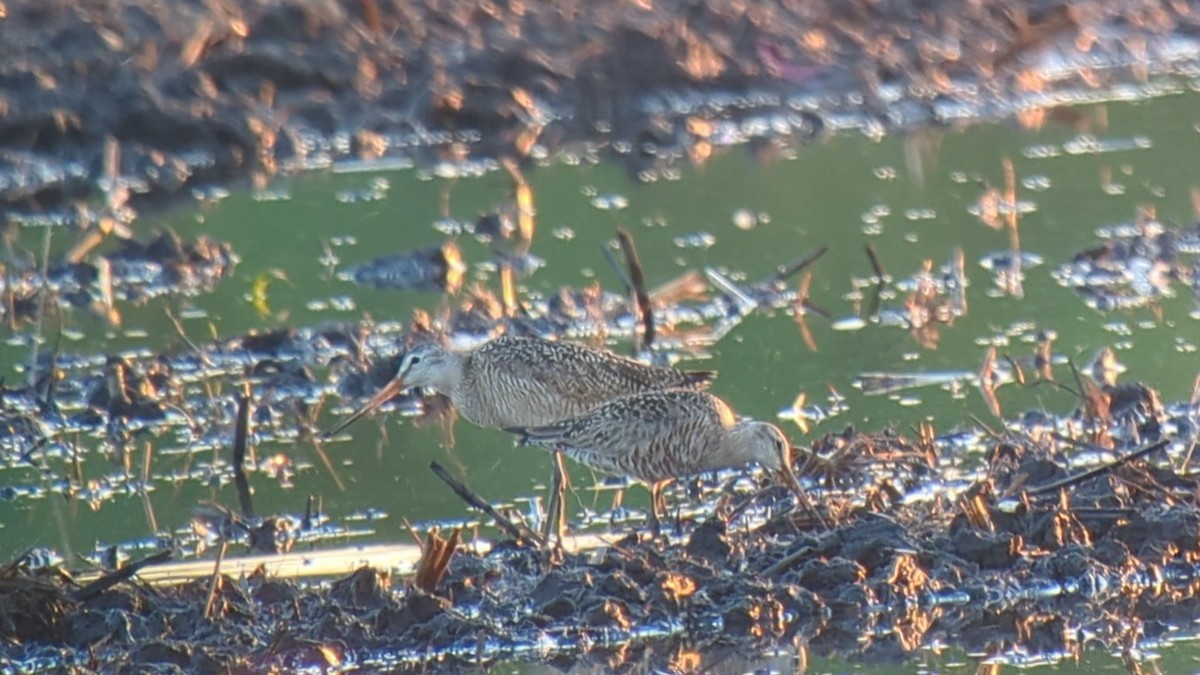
[{"x": 198, "y": 93}]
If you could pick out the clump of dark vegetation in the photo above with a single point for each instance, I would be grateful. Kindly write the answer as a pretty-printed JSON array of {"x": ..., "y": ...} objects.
[{"x": 134, "y": 271}]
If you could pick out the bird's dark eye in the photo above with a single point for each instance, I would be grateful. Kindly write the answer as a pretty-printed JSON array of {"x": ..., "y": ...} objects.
[{"x": 414, "y": 360}]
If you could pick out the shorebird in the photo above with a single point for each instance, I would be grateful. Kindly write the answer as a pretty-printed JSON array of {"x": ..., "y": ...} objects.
[
  {"x": 523, "y": 381},
  {"x": 656, "y": 437}
]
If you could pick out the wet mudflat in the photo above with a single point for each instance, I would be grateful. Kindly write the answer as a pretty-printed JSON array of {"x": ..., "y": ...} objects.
[
  {"x": 1028, "y": 565},
  {"x": 982, "y": 343}
]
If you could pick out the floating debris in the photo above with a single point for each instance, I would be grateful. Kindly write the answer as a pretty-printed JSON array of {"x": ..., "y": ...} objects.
[
  {"x": 1036, "y": 182},
  {"x": 700, "y": 240},
  {"x": 435, "y": 268},
  {"x": 272, "y": 194},
  {"x": 933, "y": 298},
  {"x": 610, "y": 202},
  {"x": 745, "y": 219},
  {"x": 1137, "y": 264},
  {"x": 1090, "y": 145},
  {"x": 136, "y": 272},
  {"x": 849, "y": 323},
  {"x": 1000, "y": 261},
  {"x": 806, "y": 415}
]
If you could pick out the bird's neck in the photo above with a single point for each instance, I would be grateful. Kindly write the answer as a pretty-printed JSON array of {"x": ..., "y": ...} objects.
[
  {"x": 733, "y": 450},
  {"x": 449, "y": 380}
]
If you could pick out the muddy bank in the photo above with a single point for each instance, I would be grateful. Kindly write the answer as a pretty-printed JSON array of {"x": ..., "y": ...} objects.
[
  {"x": 1001, "y": 570},
  {"x": 165, "y": 99}
]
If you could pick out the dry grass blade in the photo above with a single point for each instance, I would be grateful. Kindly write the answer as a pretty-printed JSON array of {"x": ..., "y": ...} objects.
[
  {"x": 555, "y": 526},
  {"x": 801, "y": 312},
  {"x": 987, "y": 382},
  {"x": 959, "y": 293},
  {"x": 637, "y": 278},
  {"x": 215, "y": 585},
  {"x": 372, "y": 17},
  {"x": 241, "y": 436},
  {"x": 974, "y": 507},
  {"x": 186, "y": 340},
  {"x": 876, "y": 265},
  {"x": 319, "y": 448},
  {"x": 508, "y": 291},
  {"x": 1013, "y": 278},
  {"x": 880, "y": 278},
  {"x": 526, "y": 212},
  {"x": 435, "y": 560},
  {"x": 1010, "y": 196},
  {"x": 194, "y": 49},
  {"x": 116, "y": 197},
  {"x": 789, "y": 560},
  {"x": 688, "y": 286}
]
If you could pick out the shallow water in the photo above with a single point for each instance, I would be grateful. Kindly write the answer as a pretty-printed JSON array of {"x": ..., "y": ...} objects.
[{"x": 910, "y": 197}]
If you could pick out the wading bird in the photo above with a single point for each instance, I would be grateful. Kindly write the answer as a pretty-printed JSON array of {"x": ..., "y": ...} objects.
[
  {"x": 523, "y": 381},
  {"x": 656, "y": 437},
  {"x": 527, "y": 382}
]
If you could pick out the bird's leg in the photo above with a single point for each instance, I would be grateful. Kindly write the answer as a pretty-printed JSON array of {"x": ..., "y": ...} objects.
[
  {"x": 556, "y": 526},
  {"x": 617, "y": 500},
  {"x": 657, "y": 507}
]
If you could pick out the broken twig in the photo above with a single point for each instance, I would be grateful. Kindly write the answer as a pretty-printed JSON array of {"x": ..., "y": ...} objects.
[
  {"x": 241, "y": 435},
  {"x": 474, "y": 500},
  {"x": 786, "y": 271},
  {"x": 125, "y": 573},
  {"x": 638, "y": 278},
  {"x": 1092, "y": 473}
]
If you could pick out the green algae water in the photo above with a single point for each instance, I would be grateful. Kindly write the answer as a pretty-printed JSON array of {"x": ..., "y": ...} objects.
[{"x": 913, "y": 199}]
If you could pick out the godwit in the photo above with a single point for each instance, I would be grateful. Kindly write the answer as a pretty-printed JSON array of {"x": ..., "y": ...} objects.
[
  {"x": 521, "y": 381},
  {"x": 656, "y": 437}
]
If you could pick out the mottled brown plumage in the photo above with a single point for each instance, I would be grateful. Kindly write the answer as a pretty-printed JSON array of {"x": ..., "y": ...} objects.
[
  {"x": 659, "y": 436},
  {"x": 519, "y": 381}
]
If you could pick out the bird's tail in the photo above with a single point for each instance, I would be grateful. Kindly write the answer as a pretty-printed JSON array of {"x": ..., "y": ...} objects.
[
  {"x": 521, "y": 433},
  {"x": 550, "y": 436},
  {"x": 700, "y": 379}
]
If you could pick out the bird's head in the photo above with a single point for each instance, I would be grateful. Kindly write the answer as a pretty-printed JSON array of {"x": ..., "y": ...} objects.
[
  {"x": 770, "y": 448},
  {"x": 426, "y": 365}
]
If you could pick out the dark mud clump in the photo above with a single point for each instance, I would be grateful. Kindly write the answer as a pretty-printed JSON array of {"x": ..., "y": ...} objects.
[
  {"x": 434, "y": 268},
  {"x": 1136, "y": 264}
]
